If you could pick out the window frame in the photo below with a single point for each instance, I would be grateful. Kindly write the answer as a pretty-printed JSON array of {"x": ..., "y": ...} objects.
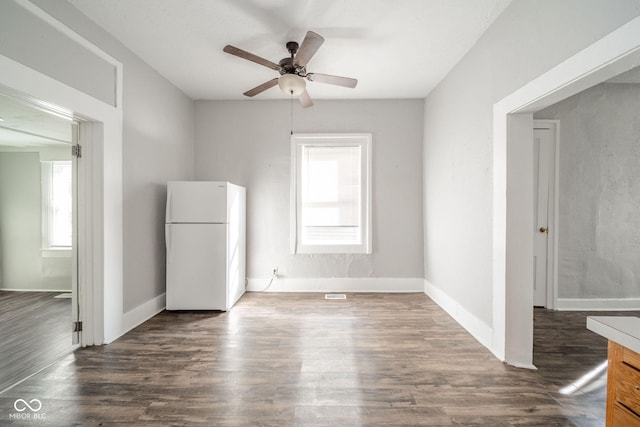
[
  {"x": 362, "y": 140},
  {"x": 46, "y": 168}
]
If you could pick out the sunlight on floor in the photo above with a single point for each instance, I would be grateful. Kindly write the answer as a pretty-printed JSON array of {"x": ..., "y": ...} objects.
[{"x": 587, "y": 378}]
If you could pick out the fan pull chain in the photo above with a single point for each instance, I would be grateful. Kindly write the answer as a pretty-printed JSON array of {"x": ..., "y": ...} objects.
[{"x": 291, "y": 113}]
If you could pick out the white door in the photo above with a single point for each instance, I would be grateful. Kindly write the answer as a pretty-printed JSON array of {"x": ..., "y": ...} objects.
[
  {"x": 544, "y": 159},
  {"x": 196, "y": 266}
]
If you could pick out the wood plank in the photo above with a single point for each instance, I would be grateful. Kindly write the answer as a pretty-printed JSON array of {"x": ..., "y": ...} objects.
[
  {"x": 298, "y": 359},
  {"x": 35, "y": 330}
]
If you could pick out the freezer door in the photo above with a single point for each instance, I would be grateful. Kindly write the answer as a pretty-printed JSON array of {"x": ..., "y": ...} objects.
[
  {"x": 196, "y": 266},
  {"x": 196, "y": 202}
]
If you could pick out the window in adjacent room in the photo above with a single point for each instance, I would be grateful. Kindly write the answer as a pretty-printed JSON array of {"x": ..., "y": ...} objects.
[
  {"x": 57, "y": 219},
  {"x": 331, "y": 193}
]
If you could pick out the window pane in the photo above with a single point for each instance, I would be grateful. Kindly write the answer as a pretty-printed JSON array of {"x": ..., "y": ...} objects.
[
  {"x": 320, "y": 178},
  {"x": 330, "y": 196},
  {"x": 61, "y": 204},
  {"x": 330, "y": 235}
]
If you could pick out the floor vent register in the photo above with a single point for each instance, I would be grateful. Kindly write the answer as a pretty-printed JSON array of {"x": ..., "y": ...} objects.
[{"x": 335, "y": 296}]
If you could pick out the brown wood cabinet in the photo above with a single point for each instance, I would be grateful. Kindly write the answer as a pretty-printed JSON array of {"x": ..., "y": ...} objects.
[{"x": 623, "y": 387}]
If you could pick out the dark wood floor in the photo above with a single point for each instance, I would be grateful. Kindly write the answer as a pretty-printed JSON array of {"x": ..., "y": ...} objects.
[
  {"x": 297, "y": 359},
  {"x": 35, "y": 330}
]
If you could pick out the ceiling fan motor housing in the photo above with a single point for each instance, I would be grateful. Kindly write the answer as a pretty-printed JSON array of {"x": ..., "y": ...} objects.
[{"x": 288, "y": 67}]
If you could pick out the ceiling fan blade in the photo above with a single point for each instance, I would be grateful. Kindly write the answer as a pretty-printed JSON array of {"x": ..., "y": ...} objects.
[
  {"x": 305, "y": 99},
  {"x": 310, "y": 45},
  {"x": 261, "y": 88},
  {"x": 251, "y": 57},
  {"x": 332, "y": 80}
]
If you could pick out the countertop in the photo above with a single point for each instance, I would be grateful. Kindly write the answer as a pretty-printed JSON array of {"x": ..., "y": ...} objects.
[{"x": 624, "y": 330}]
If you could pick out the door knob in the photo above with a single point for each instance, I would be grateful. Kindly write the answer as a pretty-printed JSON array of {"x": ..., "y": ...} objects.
[{"x": 544, "y": 230}]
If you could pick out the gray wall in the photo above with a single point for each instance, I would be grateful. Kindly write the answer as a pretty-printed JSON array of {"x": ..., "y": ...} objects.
[
  {"x": 157, "y": 147},
  {"x": 599, "y": 227},
  {"x": 157, "y": 142},
  {"x": 20, "y": 230},
  {"x": 19, "y": 28},
  {"x": 22, "y": 264},
  {"x": 529, "y": 38},
  {"x": 248, "y": 143}
]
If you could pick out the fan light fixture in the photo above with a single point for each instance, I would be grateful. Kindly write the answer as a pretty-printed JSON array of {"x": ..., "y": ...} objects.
[{"x": 292, "y": 84}]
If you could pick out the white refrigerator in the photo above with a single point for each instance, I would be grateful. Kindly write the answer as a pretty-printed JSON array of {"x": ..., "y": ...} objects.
[{"x": 205, "y": 234}]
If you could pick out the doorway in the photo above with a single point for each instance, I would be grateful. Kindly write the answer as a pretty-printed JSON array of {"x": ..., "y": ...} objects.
[
  {"x": 544, "y": 230},
  {"x": 513, "y": 193},
  {"x": 38, "y": 239}
]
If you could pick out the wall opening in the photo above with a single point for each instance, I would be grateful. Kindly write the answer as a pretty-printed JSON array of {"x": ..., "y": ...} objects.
[{"x": 512, "y": 251}]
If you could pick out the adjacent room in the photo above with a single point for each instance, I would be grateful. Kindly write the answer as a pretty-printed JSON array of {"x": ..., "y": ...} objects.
[
  {"x": 432, "y": 207},
  {"x": 36, "y": 239}
]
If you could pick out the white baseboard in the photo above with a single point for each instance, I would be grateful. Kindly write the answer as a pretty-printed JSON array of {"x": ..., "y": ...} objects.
[
  {"x": 142, "y": 313},
  {"x": 367, "y": 284},
  {"x": 482, "y": 332},
  {"x": 35, "y": 290},
  {"x": 598, "y": 304}
]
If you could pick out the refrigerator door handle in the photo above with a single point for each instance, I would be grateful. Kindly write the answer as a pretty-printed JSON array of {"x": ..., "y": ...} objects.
[{"x": 167, "y": 213}]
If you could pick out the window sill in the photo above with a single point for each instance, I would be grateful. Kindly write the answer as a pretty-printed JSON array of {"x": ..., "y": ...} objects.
[{"x": 56, "y": 253}]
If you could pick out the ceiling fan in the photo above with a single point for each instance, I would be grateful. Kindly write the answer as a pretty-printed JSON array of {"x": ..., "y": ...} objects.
[{"x": 293, "y": 71}]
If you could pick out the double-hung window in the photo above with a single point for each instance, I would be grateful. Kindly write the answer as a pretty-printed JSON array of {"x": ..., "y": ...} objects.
[
  {"x": 331, "y": 193},
  {"x": 56, "y": 205}
]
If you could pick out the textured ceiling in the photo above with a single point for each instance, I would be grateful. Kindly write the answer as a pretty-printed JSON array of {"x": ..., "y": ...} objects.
[{"x": 395, "y": 48}]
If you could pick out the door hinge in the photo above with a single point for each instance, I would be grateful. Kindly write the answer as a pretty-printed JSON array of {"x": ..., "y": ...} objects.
[
  {"x": 76, "y": 150},
  {"x": 77, "y": 326}
]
